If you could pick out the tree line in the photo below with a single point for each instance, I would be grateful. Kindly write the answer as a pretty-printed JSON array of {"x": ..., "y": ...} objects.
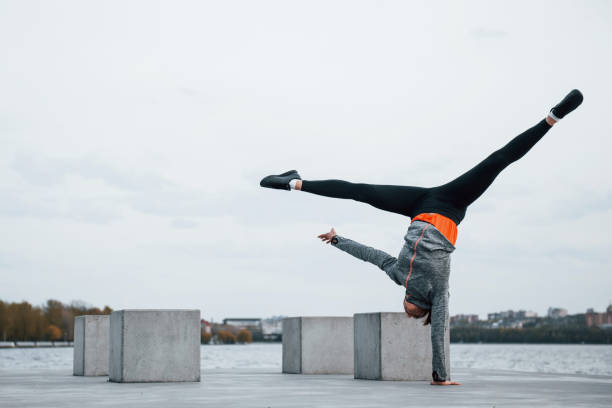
[
  {"x": 243, "y": 336},
  {"x": 593, "y": 335},
  {"x": 51, "y": 321}
]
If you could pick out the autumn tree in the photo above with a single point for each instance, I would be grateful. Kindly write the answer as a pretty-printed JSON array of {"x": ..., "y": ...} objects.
[
  {"x": 53, "y": 312},
  {"x": 244, "y": 336},
  {"x": 54, "y": 333},
  {"x": 205, "y": 337},
  {"x": 27, "y": 322},
  {"x": 226, "y": 337},
  {"x": 53, "y": 320},
  {"x": 4, "y": 321}
]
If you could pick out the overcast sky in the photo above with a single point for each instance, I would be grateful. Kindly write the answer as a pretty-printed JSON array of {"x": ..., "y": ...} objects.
[{"x": 134, "y": 135}]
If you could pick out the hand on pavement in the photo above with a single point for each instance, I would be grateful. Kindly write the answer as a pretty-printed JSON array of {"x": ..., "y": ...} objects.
[{"x": 445, "y": 383}]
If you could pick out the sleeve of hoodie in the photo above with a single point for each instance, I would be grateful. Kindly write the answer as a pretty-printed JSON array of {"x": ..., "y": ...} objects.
[
  {"x": 368, "y": 254},
  {"x": 439, "y": 317}
]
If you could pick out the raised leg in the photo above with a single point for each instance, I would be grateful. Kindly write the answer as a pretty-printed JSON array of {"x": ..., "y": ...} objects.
[
  {"x": 465, "y": 189},
  {"x": 396, "y": 199}
]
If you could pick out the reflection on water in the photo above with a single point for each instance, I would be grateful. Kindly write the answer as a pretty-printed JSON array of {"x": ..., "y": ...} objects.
[{"x": 547, "y": 358}]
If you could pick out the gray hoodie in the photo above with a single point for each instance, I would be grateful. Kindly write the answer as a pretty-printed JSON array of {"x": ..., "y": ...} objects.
[{"x": 423, "y": 267}]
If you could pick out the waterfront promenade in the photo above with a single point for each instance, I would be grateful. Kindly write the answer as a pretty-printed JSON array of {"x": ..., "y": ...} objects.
[{"x": 269, "y": 388}]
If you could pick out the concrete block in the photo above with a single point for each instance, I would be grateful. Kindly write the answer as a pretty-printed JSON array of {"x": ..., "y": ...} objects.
[
  {"x": 318, "y": 345},
  {"x": 154, "y": 346},
  {"x": 393, "y": 346},
  {"x": 90, "y": 354}
]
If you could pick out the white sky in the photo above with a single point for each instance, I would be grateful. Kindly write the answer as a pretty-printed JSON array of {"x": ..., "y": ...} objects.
[{"x": 134, "y": 135}]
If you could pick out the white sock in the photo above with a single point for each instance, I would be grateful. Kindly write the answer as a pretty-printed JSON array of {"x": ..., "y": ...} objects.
[
  {"x": 552, "y": 115},
  {"x": 293, "y": 183}
]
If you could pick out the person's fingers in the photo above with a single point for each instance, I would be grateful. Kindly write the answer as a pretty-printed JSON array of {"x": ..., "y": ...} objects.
[
  {"x": 445, "y": 383},
  {"x": 327, "y": 237}
]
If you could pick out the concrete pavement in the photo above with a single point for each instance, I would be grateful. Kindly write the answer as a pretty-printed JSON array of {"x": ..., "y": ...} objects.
[{"x": 269, "y": 388}]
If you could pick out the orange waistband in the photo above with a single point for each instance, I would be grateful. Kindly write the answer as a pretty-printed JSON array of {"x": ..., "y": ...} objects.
[{"x": 445, "y": 225}]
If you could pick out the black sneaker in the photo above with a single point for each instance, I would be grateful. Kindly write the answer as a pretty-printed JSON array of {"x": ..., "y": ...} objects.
[
  {"x": 571, "y": 101},
  {"x": 280, "y": 181}
]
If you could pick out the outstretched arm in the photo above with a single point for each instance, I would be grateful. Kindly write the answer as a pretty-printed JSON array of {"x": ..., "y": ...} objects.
[{"x": 368, "y": 254}]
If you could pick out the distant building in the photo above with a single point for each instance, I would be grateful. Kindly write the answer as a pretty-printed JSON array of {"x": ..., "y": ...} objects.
[
  {"x": 272, "y": 328},
  {"x": 526, "y": 314},
  {"x": 493, "y": 317},
  {"x": 243, "y": 323},
  {"x": 512, "y": 315},
  {"x": 514, "y": 324},
  {"x": 503, "y": 315},
  {"x": 205, "y": 326},
  {"x": 463, "y": 319},
  {"x": 269, "y": 329},
  {"x": 511, "y": 318},
  {"x": 603, "y": 320},
  {"x": 235, "y": 325},
  {"x": 556, "y": 312}
]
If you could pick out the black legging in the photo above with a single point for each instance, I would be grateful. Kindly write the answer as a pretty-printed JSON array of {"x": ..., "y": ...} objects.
[{"x": 451, "y": 199}]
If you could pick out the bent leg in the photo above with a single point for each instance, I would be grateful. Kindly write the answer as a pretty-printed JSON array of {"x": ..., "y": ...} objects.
[
  {"x": 465, "y": 189},
  {"x": 397, "y": 199}
]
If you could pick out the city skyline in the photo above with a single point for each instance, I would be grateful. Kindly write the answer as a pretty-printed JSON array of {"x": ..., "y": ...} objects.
[{"x": 552, "y": 311}]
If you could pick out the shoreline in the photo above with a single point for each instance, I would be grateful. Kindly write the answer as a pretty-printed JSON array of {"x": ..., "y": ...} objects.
[
  {"x": 34, "y": 344},
  {"x": 50, "y": 344}
]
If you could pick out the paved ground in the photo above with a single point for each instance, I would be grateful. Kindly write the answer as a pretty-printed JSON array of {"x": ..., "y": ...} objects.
[{"x": 266, "y": 388}]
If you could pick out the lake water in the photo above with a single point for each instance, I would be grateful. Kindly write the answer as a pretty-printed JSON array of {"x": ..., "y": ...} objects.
[{"x": 547, "y": 358}]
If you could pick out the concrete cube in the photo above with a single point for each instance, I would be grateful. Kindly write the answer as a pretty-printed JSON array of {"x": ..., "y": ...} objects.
[
  {"x": 393, "y": 346},
  {"x": 154, "y": 346},
  {"x": 91, "y": 333},
  {"x": 318, "y": 345}
]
